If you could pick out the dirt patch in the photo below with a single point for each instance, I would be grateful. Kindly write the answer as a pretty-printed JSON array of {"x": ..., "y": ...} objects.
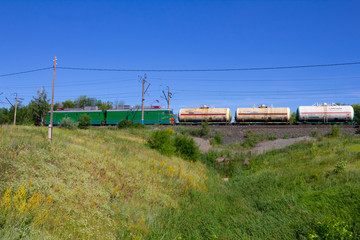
[
  {"x": 277, "y": 144},
  {"x": 204, "y": 144}
]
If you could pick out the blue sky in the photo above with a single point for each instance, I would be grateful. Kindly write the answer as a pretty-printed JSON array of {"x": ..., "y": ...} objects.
[{"x": 183, "y": 35}]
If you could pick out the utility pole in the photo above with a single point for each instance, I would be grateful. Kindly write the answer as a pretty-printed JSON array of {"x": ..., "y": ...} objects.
[
  {"x": 143, "y": 99},
  {"x": 52, "y": 104},
  {"x": 167, "y": 98},
  {"x": 16, "y": 100}
]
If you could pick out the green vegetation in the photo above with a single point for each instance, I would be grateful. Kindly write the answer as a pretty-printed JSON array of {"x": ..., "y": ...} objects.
[
  {"x": 273, "y": 137},
  {"x": 250, "y": 140},
  {"x": 293, "y": 119},
  {"x": 68, "y": 123},
  {"x": 84, "y": 121},
  {"x": 108, "y": 184},
  {"x": 204, "y": 131},
  {"x": 161, "y": 140},
  {"x": 186, "y": 147},
  {"x": 216, "y": 139},
  {"x": 166, "y": 143},
  {"x": 331, "y": 229},
  {"x": 123, "y": 124},
  {"x": 357, "y": 112},
  {"x": 335, "y": 130}
]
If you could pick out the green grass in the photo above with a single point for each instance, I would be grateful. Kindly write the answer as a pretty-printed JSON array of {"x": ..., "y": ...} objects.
[{"x": 106, "y": 184}]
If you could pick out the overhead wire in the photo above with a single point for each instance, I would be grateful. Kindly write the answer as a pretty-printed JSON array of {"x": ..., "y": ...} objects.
[
  {"x": 24, "y": 72},
  {"x": 209, "y": 70}
]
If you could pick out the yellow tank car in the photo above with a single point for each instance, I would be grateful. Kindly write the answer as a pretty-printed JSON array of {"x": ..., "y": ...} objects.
[
  {"x": 263, "y": 114},
  {"x": 205, "y": 114}
]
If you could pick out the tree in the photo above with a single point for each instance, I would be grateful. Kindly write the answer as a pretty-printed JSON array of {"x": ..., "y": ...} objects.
[
  {"x": 56, "y": 106},
  {"x": 357, "y": 112},
  {"x": 83, "y": 101},
  {"x": 293, "y": 119},
  {"x": 104, "y": 105},
  {"x": 68, "y": 104},
  {"x": 39, "y": 107},
  {"x": 4, "y": 116},
  {"x": 23, "y": 115}
]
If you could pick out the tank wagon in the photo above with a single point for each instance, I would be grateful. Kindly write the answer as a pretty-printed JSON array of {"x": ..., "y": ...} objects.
[
  {"x": 263, "y": 114},
  {"x": 204, "y": 114},
  {"x": 325, "y": 113},
  {"x": 97, "y": 116}
]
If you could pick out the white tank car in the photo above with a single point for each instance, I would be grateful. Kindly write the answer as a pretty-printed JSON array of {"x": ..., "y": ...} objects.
[
  {"x": 263, "y": 114},
  {"x": 205, "y": 113},
  {"x": 325, "y": 113}
]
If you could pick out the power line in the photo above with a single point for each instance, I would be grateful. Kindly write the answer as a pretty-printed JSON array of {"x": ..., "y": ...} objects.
[
  {"x": 209, "y": 70},
  {"x": 23, "y": 72},
  {"x": 186, "y": 70},
  {"x": 266, "y": 80}
]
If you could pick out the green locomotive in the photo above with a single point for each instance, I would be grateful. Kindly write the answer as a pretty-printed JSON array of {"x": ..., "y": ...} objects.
[{"x": 152, "y": 115}]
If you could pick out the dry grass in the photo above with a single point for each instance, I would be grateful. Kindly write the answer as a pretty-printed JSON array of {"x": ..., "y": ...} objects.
[{"x": 98, "y": 184}]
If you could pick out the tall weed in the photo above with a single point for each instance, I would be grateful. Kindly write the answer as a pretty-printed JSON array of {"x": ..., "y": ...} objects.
[{"x": 68, "y": 123}]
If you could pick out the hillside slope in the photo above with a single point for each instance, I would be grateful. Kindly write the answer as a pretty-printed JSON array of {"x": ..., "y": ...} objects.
[
  {"x": 107, "y": 184},
  {"x": 97, "y": 184}
]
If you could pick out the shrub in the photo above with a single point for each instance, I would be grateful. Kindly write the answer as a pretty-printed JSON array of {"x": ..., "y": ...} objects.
[
  {"x": 129, "y": 124},
  {"x": 340, "y": 167},
  {"x": 186, "y": 147},
  {"x": 68, "y": 123},
  {"x": 226, "y": 168},
  {"x": 84, "y": 121},
  {"x": 335, "y": 130},
  {"x": 272, "y": 137},
  {"x": 161, "y": 141},
  {"x": 331, "y": 229},
  {"x": 216, "y": 140},
  {"x": 285, "y": 136},
  {"x": 202, "y": 132},
  {"x": 205, "y": 129},
  {"x": 314, "y": 134}
]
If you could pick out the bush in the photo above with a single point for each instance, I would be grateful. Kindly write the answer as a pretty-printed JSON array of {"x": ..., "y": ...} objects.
[
  {"x": 331, "y": 229},
  {"x": 123, "y": 124},
  {"x": 216, "y": 140},
  {"x": 314, "y": 133},
  {"x": 202, "y": 132},
  {"x": 205, "y": 129},
  {"x": 68, "y": 123},
  {"x": 226, "y": 168},
  {"x": 340, "y": 167},
  {"x": 273, "y": 137},
  {"x": 161, "y": 141},
  {"x": 335, "y": 130},
  {"x": 84, "y": 121},
  {"x": 186, "y": 147}
]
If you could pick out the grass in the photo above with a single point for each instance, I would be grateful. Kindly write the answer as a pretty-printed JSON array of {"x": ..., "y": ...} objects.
[
  {"x": 102, "y": 184},
  {"x": 106, "y": 184}
]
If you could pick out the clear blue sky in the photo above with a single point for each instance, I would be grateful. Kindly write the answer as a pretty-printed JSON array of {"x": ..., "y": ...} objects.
[{"x": 183, "y": 35}]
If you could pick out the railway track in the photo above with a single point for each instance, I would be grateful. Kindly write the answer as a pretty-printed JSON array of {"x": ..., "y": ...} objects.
[{"x": 309, "y": 126}]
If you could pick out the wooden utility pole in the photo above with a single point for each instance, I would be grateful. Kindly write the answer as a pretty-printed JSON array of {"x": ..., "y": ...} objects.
[
  {"x": 143, "y": 99},
  {"x": 16, "y": 100},
  {"x": 52, "y": 104},
  {"x": 169, "y": 97}
]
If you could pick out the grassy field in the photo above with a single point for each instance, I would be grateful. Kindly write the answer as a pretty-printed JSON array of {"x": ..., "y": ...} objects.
[{"x": 108, "y": 184}]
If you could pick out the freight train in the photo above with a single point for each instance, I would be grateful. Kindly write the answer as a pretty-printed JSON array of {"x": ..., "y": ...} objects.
[{"x": 316, "y": 114}]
